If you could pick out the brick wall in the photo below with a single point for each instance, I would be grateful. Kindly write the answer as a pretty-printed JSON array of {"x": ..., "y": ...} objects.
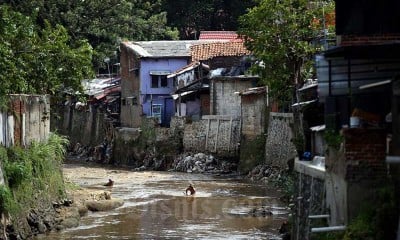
[
  {"x": 364, "y": 154},
  {"x": 131, "y": 109},
  {"x": 350, "y": 40}
]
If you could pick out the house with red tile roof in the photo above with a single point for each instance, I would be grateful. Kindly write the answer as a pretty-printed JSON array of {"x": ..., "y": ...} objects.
[
  {"x": 218, "y": 35},
  {"x": 219, "y": 54}
]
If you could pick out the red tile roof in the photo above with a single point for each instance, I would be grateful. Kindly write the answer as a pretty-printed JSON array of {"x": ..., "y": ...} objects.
[
  {"x": 218, "y": 35},
  {"x": 207, "y": 51}
]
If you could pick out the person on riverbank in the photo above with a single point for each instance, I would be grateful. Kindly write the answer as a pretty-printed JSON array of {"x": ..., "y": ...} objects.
[{"x": 190, "y": 190}]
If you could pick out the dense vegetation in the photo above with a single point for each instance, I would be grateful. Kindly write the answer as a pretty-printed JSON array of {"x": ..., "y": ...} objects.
[
  {"x": 39, "y": 60},
  {"x": 31, "y": 172},
  {"x": 285, "y": 40}
]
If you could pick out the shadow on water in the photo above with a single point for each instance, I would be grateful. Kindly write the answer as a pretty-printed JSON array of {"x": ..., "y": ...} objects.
[{"x": 156, "y": 208}]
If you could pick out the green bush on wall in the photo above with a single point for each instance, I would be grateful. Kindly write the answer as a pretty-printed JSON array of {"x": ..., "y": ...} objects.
[{"x": 7, "y": 203}]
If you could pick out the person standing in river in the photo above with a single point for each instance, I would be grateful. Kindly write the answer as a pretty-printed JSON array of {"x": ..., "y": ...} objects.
[{"x": 190, "y": 189}]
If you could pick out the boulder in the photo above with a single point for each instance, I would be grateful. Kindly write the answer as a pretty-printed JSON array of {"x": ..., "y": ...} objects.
[{"x": 104, "y": 205}]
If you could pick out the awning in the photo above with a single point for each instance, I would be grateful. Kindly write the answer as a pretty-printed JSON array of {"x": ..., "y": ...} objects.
[
  {"x": 176, "y": 96},
  {"x": 160, "y": 72},
  {"x": 185, "y": 69},
  {"x": 318, "y": 128},
  {"x": 375, "y": 84},
  {"x": 299, "y": 104}
]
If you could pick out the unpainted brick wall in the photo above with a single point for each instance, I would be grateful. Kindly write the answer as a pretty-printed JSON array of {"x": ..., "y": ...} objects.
[
  {"x": 349, "y": 40},
  {"x": 364, "y": 153}
]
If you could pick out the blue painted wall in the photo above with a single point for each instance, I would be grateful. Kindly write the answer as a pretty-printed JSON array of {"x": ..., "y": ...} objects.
[{"x": 160, "y": 95}]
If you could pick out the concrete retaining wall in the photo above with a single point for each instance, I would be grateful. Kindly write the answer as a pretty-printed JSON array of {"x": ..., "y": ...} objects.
[
  {"x": 309, "y": 200},
  {"x": 27, "y": 120},
  {"x": 279, "y": 146},
  {"x": 215, "y": 134}
]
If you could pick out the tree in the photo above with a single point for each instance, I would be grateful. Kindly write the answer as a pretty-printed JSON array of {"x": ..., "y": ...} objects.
[
  {"x": 104, "y": 24},
  {"x": 191, "y": 17},
  {"x": 280, "y": 34},
  {"x": 39, "y": 61}
]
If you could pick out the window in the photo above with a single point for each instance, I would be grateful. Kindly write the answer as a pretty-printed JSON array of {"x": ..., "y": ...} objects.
[
  {"x": 164, "y": 81},
  {"x": 154, "y": 81},
  {"x": 159, "y": 79}
]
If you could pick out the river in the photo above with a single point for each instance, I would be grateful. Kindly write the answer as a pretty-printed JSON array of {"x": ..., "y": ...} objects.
[{"x": 155, "y": 206}]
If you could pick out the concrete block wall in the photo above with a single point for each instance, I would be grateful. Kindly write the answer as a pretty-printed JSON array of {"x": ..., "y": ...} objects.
[
  {"x": 223, "y": 100},
  {"x": 253, "y": 115},
  {"x": 83, "y": 126},
  {"x": 213, "y": 134},
  {"x": 279, "y": 147},
  {"x": 29, "y": 120}
]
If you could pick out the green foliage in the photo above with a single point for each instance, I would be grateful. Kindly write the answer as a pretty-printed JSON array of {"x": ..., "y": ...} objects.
[
  {"x": 191, "y": 17},
  {"x": 377, "y": 219},
  {"x": 282, "y": 41},
  {"x": 104, "y": 24},
  {"x": 34, "y": 171},
  {"x": 7, "y": 203},
  {"x": 333, "y": 139},
  {"x": 17, "y": 173},
  {"x": 361, "y": 228},
  {"x": 39, "y": 60},
  {"x": 286, "y": 182},
  {"x": 328, "y": 236},
  {"x": 252, "y": 153}
]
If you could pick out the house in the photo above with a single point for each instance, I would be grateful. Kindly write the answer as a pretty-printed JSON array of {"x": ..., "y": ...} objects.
[
  {"x": 145, "y": 87},
  {"x": 220, "y": 54},
  {"x": 192, "y": 96},
  {"x": 359, "y": 87},
  {"x": 218, "y": 35}
]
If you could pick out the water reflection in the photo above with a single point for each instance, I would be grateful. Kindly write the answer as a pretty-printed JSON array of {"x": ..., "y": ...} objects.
[{"x": 156, "y": 208}]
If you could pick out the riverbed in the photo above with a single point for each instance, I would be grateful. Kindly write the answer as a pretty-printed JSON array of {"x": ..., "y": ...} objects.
[{"x": 155, "y": 206}]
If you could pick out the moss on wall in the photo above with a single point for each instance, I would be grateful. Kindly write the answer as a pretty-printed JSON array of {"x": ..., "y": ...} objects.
[{"x": 252, "y": 152}]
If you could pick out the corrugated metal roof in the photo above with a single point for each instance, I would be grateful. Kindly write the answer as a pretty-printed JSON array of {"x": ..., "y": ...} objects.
[
  {"x": 251, "y": 91},
  {"x": 154, "y": 49}
]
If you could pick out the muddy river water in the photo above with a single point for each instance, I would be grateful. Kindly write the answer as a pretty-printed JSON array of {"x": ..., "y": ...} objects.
[{"x": 155, "y": 207}]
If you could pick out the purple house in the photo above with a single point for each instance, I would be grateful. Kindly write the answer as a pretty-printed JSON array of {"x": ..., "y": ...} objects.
[{"x": 145, "y": 88}]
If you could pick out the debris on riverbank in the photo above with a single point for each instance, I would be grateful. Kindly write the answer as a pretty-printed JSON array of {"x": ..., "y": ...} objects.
[
  {"x": 202, "y": 163},
  {"x": 265, "y": 173},
  {"x": 279, "y": 177}
]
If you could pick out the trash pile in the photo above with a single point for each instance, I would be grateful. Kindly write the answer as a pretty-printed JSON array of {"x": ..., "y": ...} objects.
[{"x": 202, "y": 163}]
